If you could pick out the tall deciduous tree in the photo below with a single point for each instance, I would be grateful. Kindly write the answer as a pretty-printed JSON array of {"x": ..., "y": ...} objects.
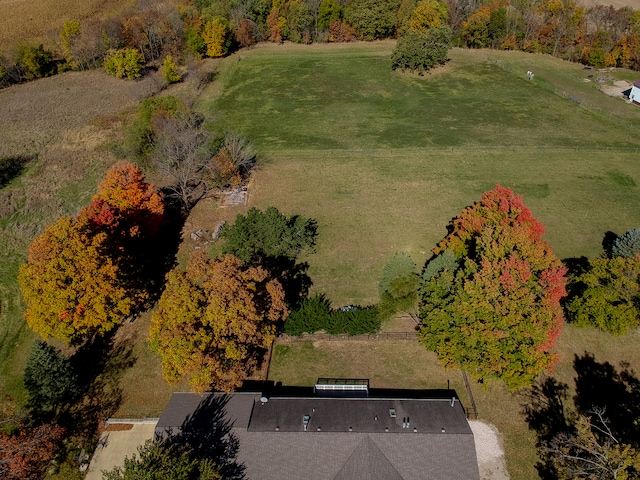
[
  {"x": 125, "y": 204},
  {"x": 84, "y": 276},
  {"x": 420, "y": 52},
  {"x": 181, "y": 152},
  {"x": 498, "y": 313},
  {"x": 71, "y": 288},
  {"x": 591, "y": 452},
  {"x": 214, "y": 321}
]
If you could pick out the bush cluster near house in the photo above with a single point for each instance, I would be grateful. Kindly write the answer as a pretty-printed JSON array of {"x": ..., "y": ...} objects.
[{"x": 217, "y": 319}]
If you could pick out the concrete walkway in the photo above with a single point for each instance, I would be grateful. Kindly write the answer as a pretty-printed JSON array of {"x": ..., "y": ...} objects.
[{"x": 113, "y": 447}]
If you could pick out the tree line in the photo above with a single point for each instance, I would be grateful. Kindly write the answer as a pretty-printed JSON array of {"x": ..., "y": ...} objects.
[{"x": 165, "y": 36}]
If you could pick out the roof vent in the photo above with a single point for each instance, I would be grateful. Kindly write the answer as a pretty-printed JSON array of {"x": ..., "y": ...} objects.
[
  {"x": 442, "y": 430},
  {"x": 386, "y": 429},
  {"x": 305, "y": 422},
  {"x": 415, "y": 430},
  {"x": 351, "y": 429},
  {"x": 277, "y": 429},
  {"x": 264, "y": 400},
  {"x": 392, "y": 412},
  {"x": 318, "y": 429}
]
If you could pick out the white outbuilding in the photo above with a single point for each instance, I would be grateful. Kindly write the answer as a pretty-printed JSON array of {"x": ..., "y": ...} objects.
[{"x": 634, "y": 94}]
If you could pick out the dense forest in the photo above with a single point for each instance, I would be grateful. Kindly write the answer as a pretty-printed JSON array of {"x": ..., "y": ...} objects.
[{"x": 166, "y": 36}]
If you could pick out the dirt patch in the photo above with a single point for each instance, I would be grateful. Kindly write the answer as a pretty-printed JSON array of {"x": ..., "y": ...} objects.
[
  {"x": 617, "y": 89},
  {"x": 118, "y": 427}
]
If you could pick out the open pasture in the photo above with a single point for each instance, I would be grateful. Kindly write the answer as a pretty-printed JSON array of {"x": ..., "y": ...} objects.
[{"x": 384, "y": 161}]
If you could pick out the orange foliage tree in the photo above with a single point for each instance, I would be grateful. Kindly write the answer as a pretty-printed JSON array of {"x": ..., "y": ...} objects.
[
  {"x": 28, "y": 453},
  {"x": 214, "y": 321},
  {"x": 84, "y": 275},
  {"x": 71, "y": 288},
  {"x": 125, "y": 204},
  {"x": 494, "y": 309}
]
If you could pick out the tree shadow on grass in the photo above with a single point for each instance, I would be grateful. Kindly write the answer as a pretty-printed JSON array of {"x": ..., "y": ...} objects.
[
  {"x": 546, "y": 413},
  {"x": 292, "y": 276},
  {"x": 158, "y": 254},
  {"x": 209, "y": 434},
  {"x": 598, "y": 385},
  {"x": 618, "y": 391},
  {"x": 12, "y": 167},
  {"x": 99, "y": 364}
]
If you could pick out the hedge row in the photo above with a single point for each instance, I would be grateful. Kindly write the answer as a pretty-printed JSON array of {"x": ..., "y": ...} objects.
[{"x": 315, "y": 314}]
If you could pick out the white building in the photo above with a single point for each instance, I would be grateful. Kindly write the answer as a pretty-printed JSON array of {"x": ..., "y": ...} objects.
[{"x": 634, "y": 95}]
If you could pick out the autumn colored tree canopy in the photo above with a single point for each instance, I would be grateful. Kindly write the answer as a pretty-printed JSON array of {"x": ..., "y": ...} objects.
[
  {"x": 214, "y": 321},
  {"x": 27, "y": 453},
  {"x": 83, "y": 276},
  {"x": 495, "y": 312}
]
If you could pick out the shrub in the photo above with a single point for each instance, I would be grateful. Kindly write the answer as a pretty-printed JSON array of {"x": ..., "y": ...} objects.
[
  {"x": 398, "y": 286},
  {"x": 627, "y": 245},
  {"x": 140, "y": 134},
  {"x": 169, "y": 70},
  {"x": 124, "y": 63},
  {"x": 34, "y": 62},
  {"x": 315, "y": 314},
  {"x": 420, "y": 52},
  {"x": 400, "y": 265},
  {"x": 445, "y": 261},
  {"x": 354, "y": 321},
  {"x": 311, "y": 316},
  {"x": 607, "y": 295}
]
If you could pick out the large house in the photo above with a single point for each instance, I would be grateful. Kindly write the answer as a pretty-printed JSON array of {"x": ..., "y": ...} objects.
[{"x": 339, "y": 430}]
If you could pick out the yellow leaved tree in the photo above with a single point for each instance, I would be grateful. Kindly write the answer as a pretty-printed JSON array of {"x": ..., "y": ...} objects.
[{"x": 215, "y": 321}]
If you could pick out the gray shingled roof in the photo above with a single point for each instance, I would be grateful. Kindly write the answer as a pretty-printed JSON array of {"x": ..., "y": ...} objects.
[{"x": 367, "y": 452}]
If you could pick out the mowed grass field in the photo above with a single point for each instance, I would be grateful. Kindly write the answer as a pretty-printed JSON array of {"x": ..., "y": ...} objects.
[{"x": 384, "y": 161}]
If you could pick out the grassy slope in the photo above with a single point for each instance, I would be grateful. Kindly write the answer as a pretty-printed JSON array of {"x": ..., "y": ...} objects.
[
  {"x": 64, "y": 123},
  {"x": 384, "y": 161}
]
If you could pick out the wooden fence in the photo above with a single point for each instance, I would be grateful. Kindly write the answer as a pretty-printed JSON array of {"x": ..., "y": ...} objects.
[{"x": 312, "y": 337}]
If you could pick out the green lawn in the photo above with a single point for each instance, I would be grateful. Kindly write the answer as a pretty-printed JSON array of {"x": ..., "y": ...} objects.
[
  {"x": 406, "y": 364},
  {"x": 383, "y": 160}
]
